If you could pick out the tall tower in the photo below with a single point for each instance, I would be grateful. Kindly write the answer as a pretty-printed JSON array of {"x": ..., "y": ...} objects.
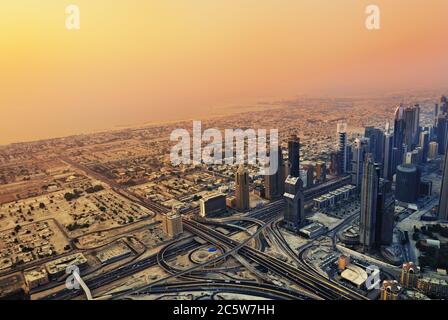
[
  {"x": 399, "y": 132},
  {"x": 295, "y": 200},
  {"x": 273, "y": 184},
  {"x": 412, "y": 119},
  {"x": 443, "y": 202},
  {"x": 242, "y": 189},
  {"x": 360, "y": 150},
  {"x": 294, "y": 156},
  {"x": 388, "y": 170},
  {"x": 424, "y": 144},
  {"x": 442, "y": 132},
  {"x": 342, "y": 147},
  {"x": 369, "y": 201},
  {"x": 376, "y": 143}
]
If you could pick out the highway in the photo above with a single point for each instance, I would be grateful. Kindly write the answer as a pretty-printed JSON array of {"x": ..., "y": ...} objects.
[{"x": 314, "y": 284}]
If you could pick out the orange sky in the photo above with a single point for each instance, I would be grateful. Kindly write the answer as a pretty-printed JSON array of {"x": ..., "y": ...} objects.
[{"x": 136, "y": 61}]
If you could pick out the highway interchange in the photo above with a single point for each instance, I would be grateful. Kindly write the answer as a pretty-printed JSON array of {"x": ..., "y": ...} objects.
[{"x": 304, "y": 282}]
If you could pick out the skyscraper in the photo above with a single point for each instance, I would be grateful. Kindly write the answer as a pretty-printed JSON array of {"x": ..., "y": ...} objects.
[
  {"x": 295, "y": 200},
  {"x": 342, "y": 147},
  {"x": 399, "y": 129},
  {"x": 424, "y": 144},
  {"x": 412, "y": 120},
  {"x": 369, "y": 201},
  {"x": 388, "y": 170},
  {"x": 294, "y": 156},
  {"x": 321, "y": 171},
  {"x": 376, "y": 143},
  {"x": 385, "y": 212},
  {"x": 273, "y": 184},
  {"x": 442, "y": 131},
  {"x": 443, "y": 202},
  {"x": 407, "y": 183},
  {"x": 242, "y": 189},
  {"x": 359, "y": 150},
  {"x": 433, "y": 150}
]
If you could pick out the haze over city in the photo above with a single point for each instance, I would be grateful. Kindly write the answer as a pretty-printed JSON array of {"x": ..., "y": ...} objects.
[{"x": 135, "y": 62}]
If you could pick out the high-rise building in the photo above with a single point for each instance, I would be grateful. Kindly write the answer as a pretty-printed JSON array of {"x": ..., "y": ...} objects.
[
  {"x": 443, "y": 202},
  {"x": 376, "y": 143},
  {"x": 399, "y": 132},
  {"x": 433, "y": 150},
  {"x": 212, "y": 204},
  {"x": 335, "y": 164},
  {"x": 309, "y": 174},
  {"x": 173, "y": 223},
  {"x": 242, "y": 189},
  {"x": 424, "y": 144},
  {"x": 390, "y": 290},
  {"x": 388, "y": 170},
  {"x": 407, "y": 183},
  {"x": 411, "y": 131},
  {"x": 442, "y": 132},
  {"x": 410, "y": 273},
  {"x": 359, "y": 151},
  {"x": 385, "y": 212},
  {"x": 295, "y": 200},
  {"x": 369, "y": 201},
  {"x": 342, "y": 147},
  {"x": 273, "y": 184},
  {"x": 294, "y": 156},
  {"x": 321, "y": 171}
]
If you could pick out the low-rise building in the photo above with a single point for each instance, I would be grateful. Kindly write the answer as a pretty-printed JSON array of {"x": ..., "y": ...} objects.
[{"x": 36, "y": 278}]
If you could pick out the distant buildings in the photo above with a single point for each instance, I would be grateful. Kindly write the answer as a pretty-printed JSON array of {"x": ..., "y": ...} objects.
[
  {"x": 212, "y": 204},
  {"x": 412, "y": 278},
  {"x": 242, "y": 189}
]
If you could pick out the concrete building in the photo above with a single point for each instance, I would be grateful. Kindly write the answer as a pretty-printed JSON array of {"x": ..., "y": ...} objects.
[
  {"x": 294, "y": 155},
  {"x": 359, "y": 150},
  {"x": 342, "y": 147},
  {"x": 433, "y": 150},
  {"x": 212, "y": 204},
  {"x": 274, "y": 183},
  {"x": 390, "y": 290},
  {"x": 58, "y": 267},
  {"x": 369, "y": 202},
  {"x": 407, "y": 183},
  {"x": 242, "y": 189},
  {"x": 294, "y": 215},
  {"x": 173, "y": 224},
  {"x": 36, "y": 278},
  {"x": 321, "y": 171}
]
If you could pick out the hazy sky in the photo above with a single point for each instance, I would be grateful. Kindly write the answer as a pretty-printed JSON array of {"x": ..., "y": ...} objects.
[{"x": 136, "y": 61}]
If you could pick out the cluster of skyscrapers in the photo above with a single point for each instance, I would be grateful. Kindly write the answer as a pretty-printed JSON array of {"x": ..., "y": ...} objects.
[{"x": 373, "y": 161}]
